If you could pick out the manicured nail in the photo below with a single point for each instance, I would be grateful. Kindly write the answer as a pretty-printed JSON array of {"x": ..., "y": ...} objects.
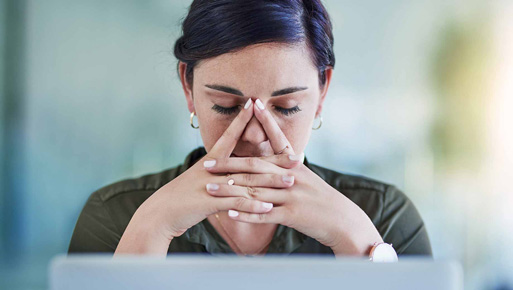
[
  {"x": 287, "y": 179},
  {"x": 233, "y": 213},
  {"x": 248, "y": 103},
  {"x": 259, "y": 104},
  {"x": 212, "y": 186},
  {"x": 298, "y": 157},
  {"x": 209, "y": 163},
  {"x": 267, "y": 205}
]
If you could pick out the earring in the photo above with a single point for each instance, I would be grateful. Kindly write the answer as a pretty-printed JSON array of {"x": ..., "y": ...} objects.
[
  {"x": 192, "y": 123},
  {"x": 320, "y": 123}
]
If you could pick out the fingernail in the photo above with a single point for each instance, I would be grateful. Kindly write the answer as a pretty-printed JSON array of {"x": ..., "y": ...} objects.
[
  {"x": 259, "y": 104},
  {"x": 287, "y": 179},
  {"x": 209, "y": 163},
  {"x": 233, "y": 213},
  {"x": 297, "y": 157},
  {"x": 267, "y": 205},
  {"x": 212, "y": 186},
  {"x": 248, "y": 103}
]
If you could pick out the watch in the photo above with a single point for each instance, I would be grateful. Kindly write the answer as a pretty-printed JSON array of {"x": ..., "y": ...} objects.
[{"x": 382, "y": 253}]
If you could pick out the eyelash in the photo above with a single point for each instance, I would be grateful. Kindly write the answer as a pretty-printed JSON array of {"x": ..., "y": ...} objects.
[
  {"x": 229, "y": 111},
  {"x": 288, "y": 111}
]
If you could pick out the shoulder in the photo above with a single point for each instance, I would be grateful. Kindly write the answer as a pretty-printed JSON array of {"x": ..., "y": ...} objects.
[
  {"x": 371, "y": 195},
  {"x": 392, "y": 212},
  {"x": 349, "y": 181},
  {"x": 146, "y": 183},
  {"x": 109, "y": 209},
  {"x": 112, "y": 206}
]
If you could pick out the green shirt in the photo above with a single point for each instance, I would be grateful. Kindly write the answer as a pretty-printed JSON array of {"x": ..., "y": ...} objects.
[{"x": 108, "y": 211}]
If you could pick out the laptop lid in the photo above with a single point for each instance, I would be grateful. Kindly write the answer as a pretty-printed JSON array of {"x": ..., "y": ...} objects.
[{"x": 297, "y": 272}]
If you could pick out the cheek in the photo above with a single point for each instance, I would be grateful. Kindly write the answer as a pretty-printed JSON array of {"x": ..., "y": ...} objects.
[
  {"x": 297, "y": 131},
  {"x": 212, "y": 127}
]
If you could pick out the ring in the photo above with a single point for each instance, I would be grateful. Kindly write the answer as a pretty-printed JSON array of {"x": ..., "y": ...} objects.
[
  {"x": 230, "y": 181},
  {"x": 251, "y": 192},
  {"x": 281, "y": 151}
]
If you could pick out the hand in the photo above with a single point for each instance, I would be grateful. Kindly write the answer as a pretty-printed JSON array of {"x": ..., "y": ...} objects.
[
  {"x": 309, "y": 205},
  {"x": 184, "y": 201}
]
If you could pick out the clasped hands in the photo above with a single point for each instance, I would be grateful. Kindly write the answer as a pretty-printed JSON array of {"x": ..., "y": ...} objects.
[{"x": 294, "y": 195}]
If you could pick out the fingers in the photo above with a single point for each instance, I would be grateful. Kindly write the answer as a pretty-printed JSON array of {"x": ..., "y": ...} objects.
[
  {"x": 257, "y": 180},
  {"x": 275, "y": 196},
  {"x": 242, "y": 204},
  {"x": 276, "y": 216},
  {"x": 285, "y": 160},
  {"x": 245, "y": 164},
  {"x": 276, "y": 137},
  {"x": 227, "y": 142}
]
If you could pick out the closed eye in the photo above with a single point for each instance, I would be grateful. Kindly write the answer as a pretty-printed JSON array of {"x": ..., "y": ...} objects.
[
  {"x": 235, "y": 109},
  {"x": 224, "y": 110},
  {"x": 287, "y": 111}
]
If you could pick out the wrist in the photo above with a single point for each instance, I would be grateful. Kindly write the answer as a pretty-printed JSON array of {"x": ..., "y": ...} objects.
[
  {"x": 144, "y": 235},
  {"x": 360, "y": 249},
  {"x": 358, "y": 240},
  {"x": 154, "y": 215}
]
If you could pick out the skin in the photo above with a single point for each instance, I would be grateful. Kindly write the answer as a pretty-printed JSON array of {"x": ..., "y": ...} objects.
[
  {"x": 307, "y": 204},
  {"x": 257, "y": 71}
]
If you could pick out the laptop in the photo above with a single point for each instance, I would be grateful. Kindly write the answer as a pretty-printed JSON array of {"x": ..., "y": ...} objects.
[{"x": 269, "y": 272}]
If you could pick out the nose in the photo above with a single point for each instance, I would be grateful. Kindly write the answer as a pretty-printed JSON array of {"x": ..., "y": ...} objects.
[{"x": 254, "y": 132}]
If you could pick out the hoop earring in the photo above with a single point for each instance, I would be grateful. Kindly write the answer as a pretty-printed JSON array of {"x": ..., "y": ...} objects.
[
  {"x": 192, "y": 123},
  {"x": 320, "y": 123}
]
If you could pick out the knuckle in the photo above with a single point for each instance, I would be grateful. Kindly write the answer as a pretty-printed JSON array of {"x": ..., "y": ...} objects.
[
  {"x": 261, "y": 217},
  {"x": 240, "y": 202},
  {"x": 252, "y": 192},
  {"x": 247, "y": 178},
  {"x": 251, "y": 162}
]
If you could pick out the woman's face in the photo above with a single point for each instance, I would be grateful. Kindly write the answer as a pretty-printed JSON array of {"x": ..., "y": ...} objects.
[{"x": 282, "y": 77}]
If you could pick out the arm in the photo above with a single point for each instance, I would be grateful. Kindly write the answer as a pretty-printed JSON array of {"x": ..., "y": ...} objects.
[
  {"x": 141, "y": 237},
  {"x": 402, "y": 225},
  {"x": 95, "y": 231}
]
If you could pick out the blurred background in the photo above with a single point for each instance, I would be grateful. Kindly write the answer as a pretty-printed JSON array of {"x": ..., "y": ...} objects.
[{"x": 421, "y": 97}]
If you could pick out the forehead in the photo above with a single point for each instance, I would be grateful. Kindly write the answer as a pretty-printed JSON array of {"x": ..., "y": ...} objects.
[{"x": 259, "y": 67}]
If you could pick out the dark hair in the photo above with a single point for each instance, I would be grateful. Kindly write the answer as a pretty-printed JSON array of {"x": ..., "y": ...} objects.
[{"x": 215, "y": 27}]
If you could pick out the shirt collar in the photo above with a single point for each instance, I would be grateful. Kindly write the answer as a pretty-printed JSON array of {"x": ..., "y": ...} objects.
[{"x": 284, "y": 241}]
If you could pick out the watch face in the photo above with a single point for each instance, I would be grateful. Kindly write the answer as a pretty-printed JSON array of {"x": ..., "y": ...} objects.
[{"x": 384, "y": 253}]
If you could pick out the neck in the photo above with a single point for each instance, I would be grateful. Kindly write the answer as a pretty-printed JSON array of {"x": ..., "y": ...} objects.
[{"x": 241, "y": 229}]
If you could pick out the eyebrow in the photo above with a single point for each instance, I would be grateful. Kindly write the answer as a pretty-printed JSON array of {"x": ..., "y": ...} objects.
[{"x": 234, "y": 91}]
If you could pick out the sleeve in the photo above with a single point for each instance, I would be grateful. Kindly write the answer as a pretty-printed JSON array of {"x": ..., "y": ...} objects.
[
  {"x": 402, "y": 226},
  {"x": 94, "y": 231}
]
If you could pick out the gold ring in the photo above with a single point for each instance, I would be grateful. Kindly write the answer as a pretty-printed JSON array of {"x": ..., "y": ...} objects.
[
  {"x": 281, "y": 151},
  {"x": 251, "y": 192}
]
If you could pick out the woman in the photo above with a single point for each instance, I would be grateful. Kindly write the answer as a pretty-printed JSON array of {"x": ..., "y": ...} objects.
[{"x": 256, "y": 74}]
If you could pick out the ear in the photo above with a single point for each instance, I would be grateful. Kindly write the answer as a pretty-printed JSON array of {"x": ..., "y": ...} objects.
[
  {"x": 186, "y": 88},
  {"x": 324, "y": 91}
]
